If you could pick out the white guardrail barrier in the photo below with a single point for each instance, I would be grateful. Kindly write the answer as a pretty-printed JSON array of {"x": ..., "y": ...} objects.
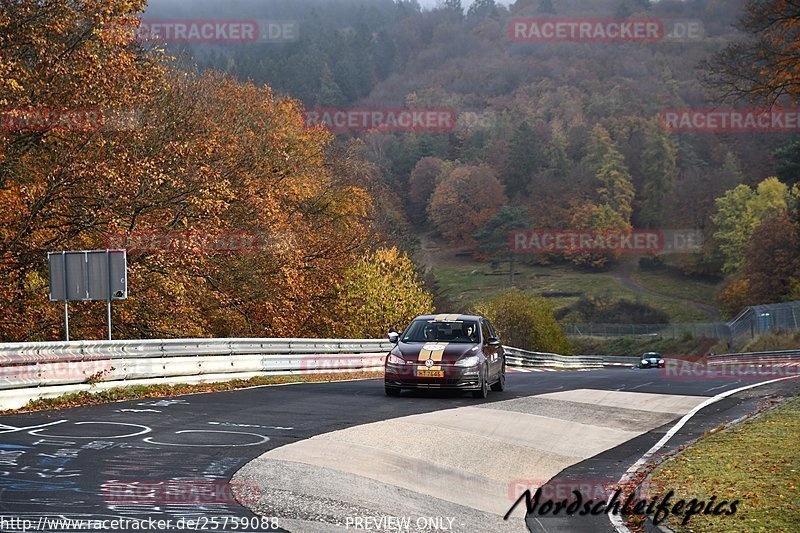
[
  {"x": 49, "y": 369},
  {"x": 756, "y": 358},
  {"x": 524, "y": 358}
]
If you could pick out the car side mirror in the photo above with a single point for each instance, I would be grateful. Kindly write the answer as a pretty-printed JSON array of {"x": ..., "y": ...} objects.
[
  {"x": 494, "y": 341},
  {"x": 394, "y": 337}
]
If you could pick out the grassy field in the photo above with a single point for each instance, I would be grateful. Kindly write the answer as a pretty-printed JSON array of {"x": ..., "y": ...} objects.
[
  {"x": 465, "y": 282},
  {"x": 681, "y": 287},
  {"x": 757, "y": 463}
]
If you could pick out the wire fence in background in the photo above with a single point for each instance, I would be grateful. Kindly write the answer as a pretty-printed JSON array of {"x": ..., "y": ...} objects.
[{"x": 751, "y": 322}]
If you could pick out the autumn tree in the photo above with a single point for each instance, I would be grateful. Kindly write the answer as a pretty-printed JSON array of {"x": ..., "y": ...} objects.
[
  {"x": 202, "y": 153},
  {"x": 765, "y": 66},
  {"x": 62, "y": 56},
  {"x": 599, "y": 218},
  {"x": 379, "y": 291},
  {"x": 772, "y": 260},
  {"x": 526, "y": 322},
  {"x": 739, "y": 212},
  {"x": 464, "y": 201},
  {"x": 614, "y": 186}
]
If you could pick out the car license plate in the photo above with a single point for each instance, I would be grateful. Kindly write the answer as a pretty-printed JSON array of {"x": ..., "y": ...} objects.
[{"x": 424, "y": 373}]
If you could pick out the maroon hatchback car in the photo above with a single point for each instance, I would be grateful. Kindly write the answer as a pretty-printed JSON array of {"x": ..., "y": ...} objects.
[{"x": 446, "y": 351}]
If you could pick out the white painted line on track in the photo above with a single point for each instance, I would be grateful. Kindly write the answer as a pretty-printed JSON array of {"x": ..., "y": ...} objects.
[
  {"x": 721, "y": 386},
  {"x": 616, "y": 521}
]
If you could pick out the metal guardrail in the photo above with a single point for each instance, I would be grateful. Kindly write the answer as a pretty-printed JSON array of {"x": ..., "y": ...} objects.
[
  {"x": 48, "y": 369},
  {"x": 524, "y": 358},
  {"x": 759, "y": 358},
  {"x": 621, "y": 359}
]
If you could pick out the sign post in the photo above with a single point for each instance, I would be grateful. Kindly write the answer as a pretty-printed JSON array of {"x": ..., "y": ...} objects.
[{"x": 96, "y": 275}]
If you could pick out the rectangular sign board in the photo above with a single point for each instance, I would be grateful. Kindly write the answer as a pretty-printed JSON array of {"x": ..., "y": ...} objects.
[{"x": 88, "y": 275}]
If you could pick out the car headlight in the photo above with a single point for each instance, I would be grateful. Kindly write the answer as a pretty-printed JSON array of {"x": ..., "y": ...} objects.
[
  {"x": 660, "y": 361},
  {"x": 644, "y": 361},
  {"x": 472, "y": 360},
  {"x": 395, "y": 360}
]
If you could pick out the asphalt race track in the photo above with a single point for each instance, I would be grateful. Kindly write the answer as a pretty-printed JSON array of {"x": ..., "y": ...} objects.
[{"x": 322, "y": 456}]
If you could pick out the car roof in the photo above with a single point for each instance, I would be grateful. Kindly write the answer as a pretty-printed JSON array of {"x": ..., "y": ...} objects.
[
  {"x": 447, "y": 317},
  {"x": 652, "y": 353}
]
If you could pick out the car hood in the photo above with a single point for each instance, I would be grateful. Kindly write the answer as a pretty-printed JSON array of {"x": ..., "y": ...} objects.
[{"x": 438, "y": 351}]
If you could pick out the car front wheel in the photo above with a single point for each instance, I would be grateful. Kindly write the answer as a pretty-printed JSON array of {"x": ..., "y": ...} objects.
[
  {"x": 483, "y": 392},
  {"x": 501, "y": 382}
]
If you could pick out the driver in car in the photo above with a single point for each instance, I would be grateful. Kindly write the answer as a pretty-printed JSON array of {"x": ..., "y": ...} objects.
[{"x": 469, "y": 332}]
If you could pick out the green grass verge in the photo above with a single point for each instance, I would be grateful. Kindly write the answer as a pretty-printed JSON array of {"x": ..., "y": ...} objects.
[
  {"x": 467, "y": 282},
  {"x": 677, "y": 286},
  {"x": 135, "y": 392},
  {"x": 773, "y": 342},
  {"x": 756, "y": 462}
]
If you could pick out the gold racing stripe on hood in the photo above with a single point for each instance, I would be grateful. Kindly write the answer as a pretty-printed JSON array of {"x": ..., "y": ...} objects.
[{"x": 432, "y": 351}]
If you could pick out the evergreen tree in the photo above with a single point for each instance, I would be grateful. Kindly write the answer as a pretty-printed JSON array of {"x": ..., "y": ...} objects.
[
  {"x": 623, "y": 11},
  {"x": 454, "y": 5},
  {"x": 493, "y": 237},
  {"x": 330, "y": 94},
  {"x": 788, "y": 157},
  {"x": 525, "y": 157},
  {"x": 659, "y": 165},
  {"x": 546, "y": 8},
  {"x": 731, "y": 174},
  {"x": 482, "y": 8}
]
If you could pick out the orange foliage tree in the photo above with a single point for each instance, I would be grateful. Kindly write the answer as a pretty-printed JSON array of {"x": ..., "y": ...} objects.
[
  {"x": 199, "y": 153},
  {"x": 464, "y": 201}
]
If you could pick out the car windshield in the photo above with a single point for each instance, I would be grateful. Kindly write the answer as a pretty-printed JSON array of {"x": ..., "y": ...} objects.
[
  {"x": 652, "y": 355},
  {"x": 451, "y": 331}
]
